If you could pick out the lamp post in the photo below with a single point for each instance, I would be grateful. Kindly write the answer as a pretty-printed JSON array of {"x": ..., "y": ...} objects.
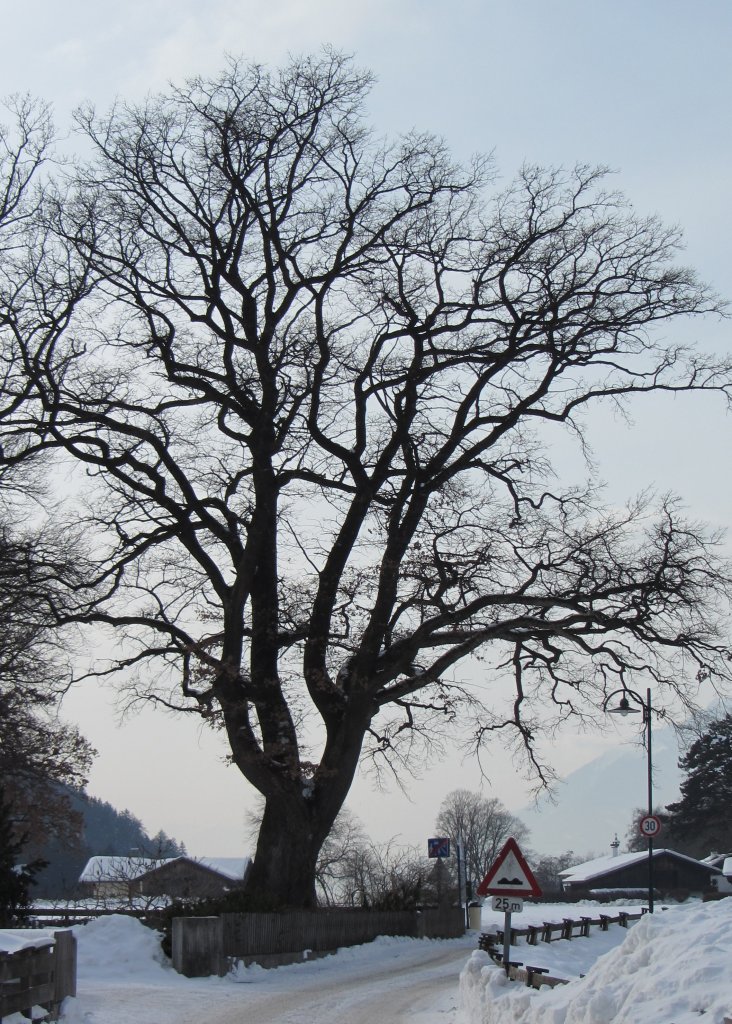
[{"x": 643, "y": 706}]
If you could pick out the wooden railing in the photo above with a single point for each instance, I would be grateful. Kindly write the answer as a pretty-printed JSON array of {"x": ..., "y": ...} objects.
[
  {"x": 569, "y": 928},
  {"x": 38, "y": 976},
  {"x": 548, "y": 931}
]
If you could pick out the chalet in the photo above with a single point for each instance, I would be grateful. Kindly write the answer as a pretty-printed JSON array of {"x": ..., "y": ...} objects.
[
  {"x": 113, "y": 877},
  {"x": 190, "y": 878},
  {"x": 174, "y": 877},
  {"x": 628, "y": 873}
]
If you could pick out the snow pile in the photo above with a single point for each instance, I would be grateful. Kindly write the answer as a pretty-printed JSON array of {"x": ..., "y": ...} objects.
[
  {"x": 118, "y": 947},
  {"x": 672, "y": 967}
]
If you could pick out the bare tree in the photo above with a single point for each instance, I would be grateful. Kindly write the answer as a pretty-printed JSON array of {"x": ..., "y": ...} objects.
[
  {"x": 40, "y": 755},
  {"x": 482, "y": 824},
  {"x": 308, "y": 387},
  {"x": 338, "y": 854},
  {"x": 384, "y": 876}
]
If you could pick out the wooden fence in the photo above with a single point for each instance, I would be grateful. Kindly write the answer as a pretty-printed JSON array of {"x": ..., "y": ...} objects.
[
  {"x": 548, "y": 931},
  {"x": 203, "y": 946},
  {"x": 38, "y": 976},
  {"x": 64, "y": 917}
]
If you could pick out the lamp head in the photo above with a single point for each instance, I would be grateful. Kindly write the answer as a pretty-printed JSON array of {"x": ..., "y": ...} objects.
[{"x": 623, "y": 708}]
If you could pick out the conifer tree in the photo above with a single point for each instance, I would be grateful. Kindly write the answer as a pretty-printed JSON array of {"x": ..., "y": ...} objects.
[
  {"x": 15, "y": 878},
  {"x": 701, "y": 818}
]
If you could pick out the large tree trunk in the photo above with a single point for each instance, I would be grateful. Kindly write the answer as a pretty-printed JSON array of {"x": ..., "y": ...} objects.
[
  {"x": 283, "y": 873},
  {"x": 298, "y": 818}
]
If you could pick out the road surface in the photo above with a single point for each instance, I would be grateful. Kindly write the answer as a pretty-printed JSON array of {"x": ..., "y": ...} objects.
[{"x": 400, "y": 983}]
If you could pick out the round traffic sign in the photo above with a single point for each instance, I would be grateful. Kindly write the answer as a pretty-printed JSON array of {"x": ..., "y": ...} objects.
[{"x": 650, "y": 826}]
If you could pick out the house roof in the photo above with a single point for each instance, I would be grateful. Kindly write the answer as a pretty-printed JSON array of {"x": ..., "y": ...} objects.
[
  {"x": 601, "y": 866},
  {"x": 233, "y": 868},
  {"x": 118, "y": 869},
  {"x": 715, "y": 859},
  {"x": 125, "y": 869}
]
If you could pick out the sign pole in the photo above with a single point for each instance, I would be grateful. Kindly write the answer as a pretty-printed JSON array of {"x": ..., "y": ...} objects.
[
  {"x": 506, "y": 940},
  {"x": 459, "y": 874},
  {"x": 647, "y": 713}
]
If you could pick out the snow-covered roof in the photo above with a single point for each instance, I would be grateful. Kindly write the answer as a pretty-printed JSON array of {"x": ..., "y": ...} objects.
[
  {"x": 727, "y": 867},
  {"x": 604, "y": 865},
  {"x": 232, "y": 867},
  {"x": 123, "y": 869},
  {"x": 118, "y": 869},
  {"x": 715, "y": 859}
]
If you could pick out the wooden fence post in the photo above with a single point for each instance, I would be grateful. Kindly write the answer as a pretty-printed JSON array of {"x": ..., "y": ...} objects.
[
  {"x": 198, "y": 946},
  {"x": 65, "y": 965}
]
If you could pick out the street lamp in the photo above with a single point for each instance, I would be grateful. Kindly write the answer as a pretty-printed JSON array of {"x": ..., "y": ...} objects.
[{"x": 643, "y": 706}]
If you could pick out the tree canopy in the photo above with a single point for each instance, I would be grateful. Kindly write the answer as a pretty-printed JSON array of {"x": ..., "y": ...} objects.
[{"x": 306, "y": 372}]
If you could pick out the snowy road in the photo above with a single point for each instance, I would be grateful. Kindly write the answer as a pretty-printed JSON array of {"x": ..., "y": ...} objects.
[
  {"x": 390, "y": 981},
  {"x": 671, "y": 966},
  {"x": 410, "y": 989}
]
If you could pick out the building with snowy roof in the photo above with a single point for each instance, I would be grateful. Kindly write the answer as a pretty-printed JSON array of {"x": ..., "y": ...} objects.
[
  {"x": 175, "y": 877},
  {"x": 628, "y": 873}
]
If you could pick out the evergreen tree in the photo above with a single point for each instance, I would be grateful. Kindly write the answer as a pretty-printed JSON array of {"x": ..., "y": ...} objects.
[
  {"x": 701, "y": 818},
  {"x": 636, "y": 842},
  {"x": 15, "y": 879}
]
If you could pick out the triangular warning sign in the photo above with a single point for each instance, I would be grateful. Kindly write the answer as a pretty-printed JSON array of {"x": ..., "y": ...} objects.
[{"x": 510, "y": 875}]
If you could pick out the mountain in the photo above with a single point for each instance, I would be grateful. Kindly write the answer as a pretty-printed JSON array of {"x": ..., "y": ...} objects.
[
  {"x": 596, "y": 801},
  {"x": 104, "y": 830}
]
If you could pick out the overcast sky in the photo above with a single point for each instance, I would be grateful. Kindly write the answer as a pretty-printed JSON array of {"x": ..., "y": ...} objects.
[{"x": 643, "y": 86}]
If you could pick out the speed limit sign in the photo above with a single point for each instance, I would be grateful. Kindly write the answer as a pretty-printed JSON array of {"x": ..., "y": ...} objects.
[{"x": 650, "y": 826}]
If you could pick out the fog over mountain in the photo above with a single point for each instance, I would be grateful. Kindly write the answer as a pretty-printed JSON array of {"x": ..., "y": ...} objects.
[{"x": 597, "y": 801}]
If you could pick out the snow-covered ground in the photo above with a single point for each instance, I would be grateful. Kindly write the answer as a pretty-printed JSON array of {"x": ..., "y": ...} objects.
[{"x": 672, "y": 968}]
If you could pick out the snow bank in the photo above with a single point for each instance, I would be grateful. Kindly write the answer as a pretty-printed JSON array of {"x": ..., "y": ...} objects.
[
  {"x": 671, "y": 967},
  {"x": 118, "y": 947}
]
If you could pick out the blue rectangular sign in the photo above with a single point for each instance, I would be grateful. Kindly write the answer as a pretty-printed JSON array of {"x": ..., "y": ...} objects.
[{"x": 439, "y": 847}]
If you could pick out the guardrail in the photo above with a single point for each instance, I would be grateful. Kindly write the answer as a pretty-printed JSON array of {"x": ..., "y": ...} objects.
[{"x": 548, "y": 931}]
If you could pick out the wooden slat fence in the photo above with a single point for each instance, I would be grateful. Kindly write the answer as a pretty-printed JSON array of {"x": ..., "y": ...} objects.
[
  {"x": 200, "y": 945},
  {"x": 38, "y": 976},
  {"x": 287, "y": 932},
  {"x": 249, "y": 934}
]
